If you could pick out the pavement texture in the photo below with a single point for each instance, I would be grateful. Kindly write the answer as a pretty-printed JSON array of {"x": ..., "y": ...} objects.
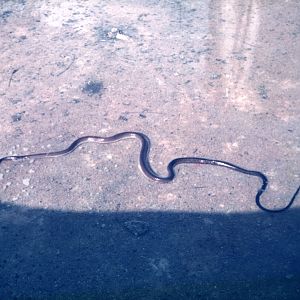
[{"x": 217, "y": 79}]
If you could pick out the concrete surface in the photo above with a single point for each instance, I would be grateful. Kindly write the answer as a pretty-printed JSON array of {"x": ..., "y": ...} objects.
[{"x": 218, "y": 79}]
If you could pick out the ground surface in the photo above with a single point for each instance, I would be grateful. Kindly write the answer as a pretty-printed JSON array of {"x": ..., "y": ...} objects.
[{"x": 218, "y": 79}]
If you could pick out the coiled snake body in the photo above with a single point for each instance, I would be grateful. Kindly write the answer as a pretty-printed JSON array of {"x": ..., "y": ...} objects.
[{"x": 146, "y": 167}]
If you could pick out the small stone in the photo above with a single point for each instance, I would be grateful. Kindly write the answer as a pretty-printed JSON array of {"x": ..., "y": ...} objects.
[
  {"x": 26, "y": 181},
  {"x": 137, "y": 228},
  {"x": 1, "y": 176},
  {"x": 122, "y": 37}
]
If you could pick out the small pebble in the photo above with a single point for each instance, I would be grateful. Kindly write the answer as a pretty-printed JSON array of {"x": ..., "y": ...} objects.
[
  {"x": 26, "y": 181},
  {"x": 137, "y": 228},
  {"x": 121, "y": 37}
]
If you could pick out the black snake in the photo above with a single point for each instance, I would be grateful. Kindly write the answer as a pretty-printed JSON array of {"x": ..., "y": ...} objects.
[{"x": 148, "y": 170}]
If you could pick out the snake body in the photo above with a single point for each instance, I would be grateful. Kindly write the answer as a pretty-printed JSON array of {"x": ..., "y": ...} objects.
[{"x": 148, "y": 170}]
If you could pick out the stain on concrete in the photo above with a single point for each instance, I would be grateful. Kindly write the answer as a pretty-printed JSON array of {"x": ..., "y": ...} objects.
[{"x": 93, "y": 87}]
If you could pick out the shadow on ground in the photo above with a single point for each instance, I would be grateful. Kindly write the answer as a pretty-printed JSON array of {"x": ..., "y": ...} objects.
[{"x": 148, "y": 255}]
